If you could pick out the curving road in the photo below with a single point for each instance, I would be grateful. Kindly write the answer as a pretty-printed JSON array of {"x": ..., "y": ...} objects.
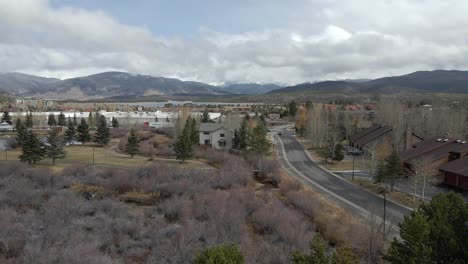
[{"x": 294, "y": 159}]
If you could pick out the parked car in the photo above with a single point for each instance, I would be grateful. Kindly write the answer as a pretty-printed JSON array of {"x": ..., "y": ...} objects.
[
  {"x": 352, "y": 151},
  {"x": 73, "y": 142},
  {"x": 280, "y": 133}
]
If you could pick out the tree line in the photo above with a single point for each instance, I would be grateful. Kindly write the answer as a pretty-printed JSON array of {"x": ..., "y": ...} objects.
[{"x": 34, "y": 150}]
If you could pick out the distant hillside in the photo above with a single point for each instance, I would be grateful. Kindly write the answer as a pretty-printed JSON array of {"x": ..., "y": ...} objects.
[
  {"x": 250, "y": 88},
  {"x": 105, "y": 85},
  {"x": 19, "y": 83},
  {"x": 438, "y": 81}
]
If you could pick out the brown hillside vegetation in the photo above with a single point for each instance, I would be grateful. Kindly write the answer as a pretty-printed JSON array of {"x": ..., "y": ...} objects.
[{"x": 163, "y": 214}]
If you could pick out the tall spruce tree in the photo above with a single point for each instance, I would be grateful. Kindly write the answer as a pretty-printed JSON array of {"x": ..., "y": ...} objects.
[
  {"x": 393, "y": 168},
  {"x": 183, "y": 148},
  {"x": 115, "y": 122},
  {"x": 91, "y": 120},
  {"x": 436, "y": 232},
  {"x": 205, "y": 116},
  {"x": 70, "y": 133},
  {"x": 51, "y": 121},
  {"x": 6, "y": 117},
  {"x": 379, "y": 174},
  {"x": 243, "y": 134},
  {"x": 102, "y": 135},
  {"x": 132, "y": 143},
  {"x": 193, "y": 130},
  {"x": 54, "y": 148},
  {"x": 21, "y": 132},
  {"x": 32, "y": 149},
  {"x": 258, "y": 142},
  {"x": 75, "y": 121},
  {"x": 29, "y": 120},
  {"x": 62, "y": 121},
  {"x": 83, "y": 131},
  {"x": 236, "y": 140}
]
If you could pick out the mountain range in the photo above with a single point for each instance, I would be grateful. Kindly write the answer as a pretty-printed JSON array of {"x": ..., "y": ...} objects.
[
  {"x": 438, "y": 81},
  {"x": 122, "y": 86}
]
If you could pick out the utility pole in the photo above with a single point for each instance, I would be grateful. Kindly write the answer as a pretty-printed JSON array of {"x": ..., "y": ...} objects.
[
  {"x": 93, "y": 155},
  {"x": 353, "y": 165},
  {"x": 384, "y": 214}
]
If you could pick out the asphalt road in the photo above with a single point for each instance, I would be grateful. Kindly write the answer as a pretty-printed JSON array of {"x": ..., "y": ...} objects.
[{"x": 358, "y": 200}]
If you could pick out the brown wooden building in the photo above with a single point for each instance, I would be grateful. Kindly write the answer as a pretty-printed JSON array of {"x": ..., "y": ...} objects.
[
  {"x": 456, "y": 173},
  {"x": 449, "y": 156}
]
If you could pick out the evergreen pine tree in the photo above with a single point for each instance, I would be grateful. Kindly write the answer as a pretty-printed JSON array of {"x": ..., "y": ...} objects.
[
  {"x": 243, "y": 134},
  {"x": 436, "y": 232},
  {"x": 317, "y": 253},
  {"x": 258, "y": 142},
  {"x": 184, "y": 145},
  {"x": 115, "y": 123},
  {"x": 236, "y": 140},
  {"x": 70, "y": 133},
  {"x": 29, "y": 120},
  {"x": 156, "y": 119},
  {"x": 393, "y": 168},
  {"x": 193, "y": 130},
  {"x": 83, "y": 131},
  {"x": 75, "y": 121},
  {"x": 21, "y": 131},
  {"x": 102, "y": 135},
  {"x": 51, "y": 121},
  {"x": 62, "y": 121},
  {"x": 205, "y": 116},
  {"x": 339, "y": 155},
  {"x": 167, "y": 119},
  {"x": 54, "y": 148},
  {"x": 220, "y": 254},
  {"x": 6, "y": 118},
  {"x": 293, "y": 108},
  {"x": 32, "y": 149},
  {"x": 132, "y": 143},
  {"x": 91, "y": 120},
  {"x": 379, "y": 174}
]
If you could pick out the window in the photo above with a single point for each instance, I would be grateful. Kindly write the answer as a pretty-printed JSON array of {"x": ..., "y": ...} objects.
[
  {"x": 221, "y": 135},
  {"x": 222, "y": 144},
  {"x": 207, "y": 142},
  {"x": 206, "y": 133}
]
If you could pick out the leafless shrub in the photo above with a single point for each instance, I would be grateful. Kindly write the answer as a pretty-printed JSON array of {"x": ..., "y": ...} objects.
[
  {"x": 123, "y": 143},
  {"x": 289, "y": 184},
  {"x": 164, "y": 151},
  {"x": 118, "y": 132},
  {"x": 305, "y": 201}
]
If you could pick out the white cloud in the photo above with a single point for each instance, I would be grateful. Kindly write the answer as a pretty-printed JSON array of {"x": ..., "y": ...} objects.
[{"x": 348, "y": 39}]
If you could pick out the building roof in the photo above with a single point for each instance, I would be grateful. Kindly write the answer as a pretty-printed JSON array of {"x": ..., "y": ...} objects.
[
  {"x": 436, "y": 148},
  {"x": 210, "y": 127},
  {"x": 459, "y": 166},
  {"x": 5, "y": 125},
  {"x": 374, "y": 134},
  {"x": 365, "y": 132}
]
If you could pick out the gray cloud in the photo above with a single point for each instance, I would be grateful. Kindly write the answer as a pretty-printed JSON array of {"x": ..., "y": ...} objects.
[{"x": 345, "y": 39}]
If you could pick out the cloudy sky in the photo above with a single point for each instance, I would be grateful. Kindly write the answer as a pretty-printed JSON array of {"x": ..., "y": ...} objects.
[{"x": 218, "y": 41}]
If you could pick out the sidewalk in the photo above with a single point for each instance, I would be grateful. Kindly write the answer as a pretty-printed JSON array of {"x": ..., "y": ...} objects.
[{"x": 404, "y": 185}]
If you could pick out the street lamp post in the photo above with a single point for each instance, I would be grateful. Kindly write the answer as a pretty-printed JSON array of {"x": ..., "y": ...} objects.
[
  {"x": 384, "y": 213},
  {"x": 353, "y": 165},
  {"x": 93, "y": 155}
]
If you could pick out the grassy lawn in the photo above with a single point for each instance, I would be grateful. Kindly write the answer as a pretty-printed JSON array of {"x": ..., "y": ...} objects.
[
  {"x": 347, "y": 164},
  {"x": 399, "y": 197},
  {"x": 103, "y": 156}
]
